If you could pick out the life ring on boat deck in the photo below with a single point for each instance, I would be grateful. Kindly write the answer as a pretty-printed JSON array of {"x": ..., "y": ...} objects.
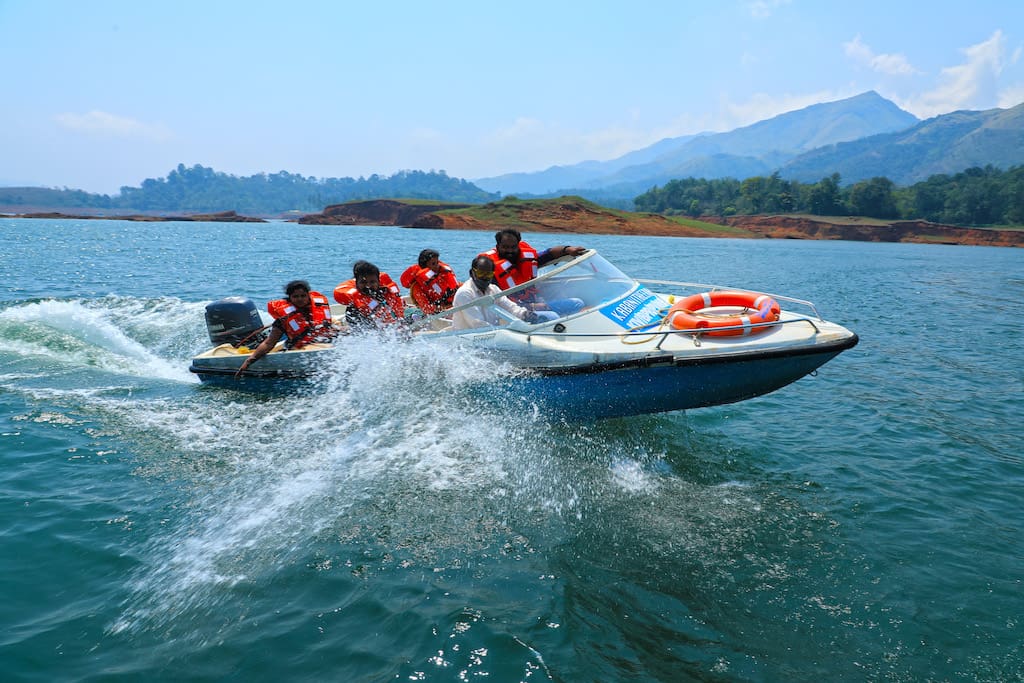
[{"x": 686, "y": 313}]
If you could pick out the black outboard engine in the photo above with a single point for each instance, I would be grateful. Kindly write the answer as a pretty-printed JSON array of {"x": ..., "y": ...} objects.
[{"x": 233, "y": 319}]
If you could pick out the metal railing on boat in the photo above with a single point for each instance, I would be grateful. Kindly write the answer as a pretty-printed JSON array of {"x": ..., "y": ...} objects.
[
  {"x": 428, "y": 321},
  {"x": 719, "y": 288},
  {"x": 666, "y": 333}
]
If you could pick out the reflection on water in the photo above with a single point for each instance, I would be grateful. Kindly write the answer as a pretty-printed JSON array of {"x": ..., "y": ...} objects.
[
  {"x": 116, "y": 334},
  {"x": 393, "y": 523},
  {"x": 390, "y": 465}
]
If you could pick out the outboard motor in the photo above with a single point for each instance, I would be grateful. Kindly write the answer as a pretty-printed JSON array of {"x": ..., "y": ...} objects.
[{"x": 233, "y": 319}]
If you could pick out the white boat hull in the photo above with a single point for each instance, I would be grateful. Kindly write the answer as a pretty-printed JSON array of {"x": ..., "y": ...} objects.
[{"x": 616, "y": 357}]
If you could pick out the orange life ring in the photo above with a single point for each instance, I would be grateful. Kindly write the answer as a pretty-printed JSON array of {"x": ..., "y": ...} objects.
[{"x": 685, "y": 314}]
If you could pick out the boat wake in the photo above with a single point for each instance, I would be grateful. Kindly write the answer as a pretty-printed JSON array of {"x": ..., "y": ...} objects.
[
  {"x": 395, "y": 464},
  {"x": 119, "y": 335},
  {"x": 390, "y": 427},
  {"x": 393, "y": 461}
]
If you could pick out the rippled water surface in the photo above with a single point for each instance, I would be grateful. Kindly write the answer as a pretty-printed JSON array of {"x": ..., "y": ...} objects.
[{"x": 862, "y": 524}]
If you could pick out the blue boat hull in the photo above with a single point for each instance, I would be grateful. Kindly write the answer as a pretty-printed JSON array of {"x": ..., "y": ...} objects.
[
  {"x": 658, "y": 387},
  {"x": 650, "y": 385}
]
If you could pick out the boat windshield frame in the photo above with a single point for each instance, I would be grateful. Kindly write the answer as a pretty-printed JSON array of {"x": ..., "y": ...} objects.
[{"x": 549, "y": 281}]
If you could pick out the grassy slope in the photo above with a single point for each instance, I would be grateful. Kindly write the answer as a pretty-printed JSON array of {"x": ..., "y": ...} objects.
[{"x": 575, "y": 214}]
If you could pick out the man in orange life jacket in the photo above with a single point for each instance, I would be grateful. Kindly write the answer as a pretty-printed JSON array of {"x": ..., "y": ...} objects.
[
  {"x": 431, "y": 282},
  {"x": 516, "y": 262},
  {"x": 303, "y": 317},
  {"x": 371, "y": 298}
]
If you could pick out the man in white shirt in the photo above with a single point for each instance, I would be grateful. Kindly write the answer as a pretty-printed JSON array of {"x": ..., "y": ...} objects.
[{"x": 480, "y": 284}]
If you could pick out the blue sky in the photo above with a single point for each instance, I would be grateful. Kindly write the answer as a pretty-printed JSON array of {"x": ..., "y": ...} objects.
[{"x": 106, "y": 93}]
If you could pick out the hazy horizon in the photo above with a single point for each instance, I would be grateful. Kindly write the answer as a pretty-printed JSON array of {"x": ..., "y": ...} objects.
[{"x": 106, "y": 94}]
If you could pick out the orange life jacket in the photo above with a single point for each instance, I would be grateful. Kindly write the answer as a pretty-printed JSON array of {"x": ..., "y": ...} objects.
[
  {"x": 390, "y": 310},
  {"x": 508, "y": 274},
  {"x": 431, "y": 290},
  {"x": 299, "y": 328}
]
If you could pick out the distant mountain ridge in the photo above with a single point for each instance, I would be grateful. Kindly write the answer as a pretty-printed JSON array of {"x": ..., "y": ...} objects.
[
  {"x": 757, "y": 149},
  {"x": 945, "y": 144},
  {"x": 807, "y": 145},
  {"x": 581, "y": 174},
  {"x": 197, "y": 189}
]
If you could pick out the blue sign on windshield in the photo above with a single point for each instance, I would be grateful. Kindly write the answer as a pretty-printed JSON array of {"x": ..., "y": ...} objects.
[{"x": 634, "y": 311}]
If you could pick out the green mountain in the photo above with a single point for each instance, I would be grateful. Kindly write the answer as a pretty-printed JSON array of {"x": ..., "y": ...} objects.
[
  {"x": 757, "y": 149},
  {"x": 197, "y": 189},
  {"x": 945, "y": 144},
  {"x": 581, "y": 174}
]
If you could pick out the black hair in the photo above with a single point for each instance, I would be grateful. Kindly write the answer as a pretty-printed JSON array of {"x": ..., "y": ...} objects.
[
  {"x": 296, "y": 284},
  {"x": 364, "y": 268},
  {"x": 426, "y": 255},
  {"x": 507, "y": 231},
  {"x": 481, "y": 259}
]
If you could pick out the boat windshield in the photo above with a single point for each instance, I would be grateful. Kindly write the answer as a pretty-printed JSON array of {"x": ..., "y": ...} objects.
[{"x": 590, "y": 278}]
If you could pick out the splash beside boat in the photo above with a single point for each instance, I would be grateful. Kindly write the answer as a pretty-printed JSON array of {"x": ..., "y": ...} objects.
[{"x": 629, "y": 350}]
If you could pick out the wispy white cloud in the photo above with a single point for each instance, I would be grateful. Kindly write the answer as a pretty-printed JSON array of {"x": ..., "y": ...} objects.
[
  {"x": 1011, "y": 96},
  {"x": 972, "y": 84},
  {"x": 423, "y": 134},
  {"x": 761, "y": 106},
  {"x": 762, "y": 9},
  {"x": 103, "y": 123},
  {"x": 522, "y": 128},
  {"x": 614, "y": 141},
  {"x": 891, "y": 64},
  {"x": 529, "y": 144}
]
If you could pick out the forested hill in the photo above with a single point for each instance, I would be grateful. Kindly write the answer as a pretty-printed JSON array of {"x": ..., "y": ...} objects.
[
  {"x": 757, "y": 149},
  {"x": 977, "y": 196},
  {"x": 198, "y": 189},
  {"x": 945, "y": 144}
]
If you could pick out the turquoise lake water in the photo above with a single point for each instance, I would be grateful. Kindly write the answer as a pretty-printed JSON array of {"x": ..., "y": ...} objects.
[{"x": 866, "y": 523}]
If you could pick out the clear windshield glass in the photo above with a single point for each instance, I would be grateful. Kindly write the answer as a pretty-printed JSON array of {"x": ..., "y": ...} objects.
[
  {"x": 593, "y": 279},
  {"x": 561, "y": 290}
]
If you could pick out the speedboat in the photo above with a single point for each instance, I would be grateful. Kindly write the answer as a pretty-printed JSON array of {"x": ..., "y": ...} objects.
[{"x": 634, "y": 347}]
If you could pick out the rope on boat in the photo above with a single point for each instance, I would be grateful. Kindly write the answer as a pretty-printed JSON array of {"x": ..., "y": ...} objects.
[
  {"x": 662, "y": 320},
  {"x": 664, "y": 314}
]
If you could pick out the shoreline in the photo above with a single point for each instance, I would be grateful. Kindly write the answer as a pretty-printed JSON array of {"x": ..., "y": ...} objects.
[
  {"x": 218, "y": 217},
  {"x": 574, "y": 215},
  {"x": 569, "y": 215}
]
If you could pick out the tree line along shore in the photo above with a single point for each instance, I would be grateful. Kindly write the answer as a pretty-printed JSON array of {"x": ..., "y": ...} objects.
[
  {"x": 976, "y": 197},
  {"x": 577, "y": 215}
]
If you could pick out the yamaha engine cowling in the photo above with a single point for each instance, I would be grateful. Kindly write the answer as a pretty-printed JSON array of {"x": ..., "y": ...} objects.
[{"x": 232, "y": 320}]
